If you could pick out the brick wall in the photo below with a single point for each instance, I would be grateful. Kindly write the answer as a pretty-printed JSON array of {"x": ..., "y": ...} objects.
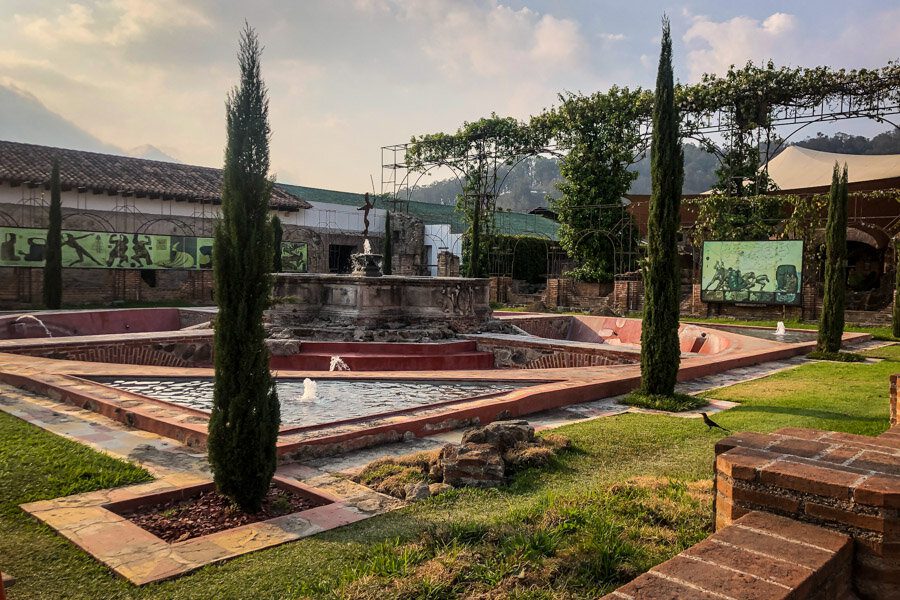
[
  {"x": 893, "y": 414},
  {"x": 194, "y": 350},
  {"x": 843, "y": 482},
  {"x": 760, "y": 557},
  {"x": 544, "y": 354}
]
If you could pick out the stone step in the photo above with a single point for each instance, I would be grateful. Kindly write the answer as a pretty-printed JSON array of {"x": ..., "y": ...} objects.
[
  {"x": 387, "y": 348},
  {"x": 760, "y": 556},
  {"x": 387, "y": 362}
]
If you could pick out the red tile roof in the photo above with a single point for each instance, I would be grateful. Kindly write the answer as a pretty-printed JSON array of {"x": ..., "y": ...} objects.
[{"x": 122, "y": 175}]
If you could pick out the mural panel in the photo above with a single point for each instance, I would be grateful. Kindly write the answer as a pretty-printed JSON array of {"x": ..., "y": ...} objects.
[
  {"x": 763, "y": 272},
  {"x": 24, "y": 247}
]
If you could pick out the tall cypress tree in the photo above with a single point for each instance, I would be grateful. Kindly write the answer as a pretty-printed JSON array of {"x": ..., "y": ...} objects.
[
  {"x": 831, "y": 326},
  {"x": 387, "y": 259},
  {"x": 278, "y": 233},
  {"x": 660, "y": 353},
  {"x": 53, "y": 249},
  {"x": 243, "y": 426},
  {"x": 896, "y": 322}
]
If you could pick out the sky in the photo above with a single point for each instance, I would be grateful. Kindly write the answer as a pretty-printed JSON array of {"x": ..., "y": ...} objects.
[{"x": 345, "y": 77}]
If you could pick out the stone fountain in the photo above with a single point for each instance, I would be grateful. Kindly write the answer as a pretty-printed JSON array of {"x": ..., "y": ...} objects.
[
  {"x": 366, "y": 264},
  {"x": 369, "y": 306}
]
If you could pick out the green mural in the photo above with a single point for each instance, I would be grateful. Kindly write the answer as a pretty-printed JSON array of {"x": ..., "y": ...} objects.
[
  {"x": 294, "y": 257},
  {"x": 767, "y": 272},
  {"x": 23, "y": 247}
]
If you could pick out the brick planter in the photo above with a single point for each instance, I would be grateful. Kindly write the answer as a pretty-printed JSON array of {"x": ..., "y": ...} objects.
[{"x": 843, "y": 482}]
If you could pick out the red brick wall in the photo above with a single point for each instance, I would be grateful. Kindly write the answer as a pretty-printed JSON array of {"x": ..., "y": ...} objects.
[
  {"x": 22, "y": 287},
  {"x": 171, "y": 351},
  {"x": 844, "y": 482}
]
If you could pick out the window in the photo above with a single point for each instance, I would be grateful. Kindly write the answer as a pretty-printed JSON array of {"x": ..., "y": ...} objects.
[{"x": 339, "y": 258}]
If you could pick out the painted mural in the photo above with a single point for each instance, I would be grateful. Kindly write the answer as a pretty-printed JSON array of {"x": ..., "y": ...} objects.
[
  {"x": 763, "y": 272},
  {"x": 23, "y": 247}
]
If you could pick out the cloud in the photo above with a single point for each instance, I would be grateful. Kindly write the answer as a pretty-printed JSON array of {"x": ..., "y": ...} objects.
[
  {"x": 489, "y": 39},
  {"x": 111, "y": 22},
  {"x": 794, "y": 40},
  {"x": 714, "y": 46}
]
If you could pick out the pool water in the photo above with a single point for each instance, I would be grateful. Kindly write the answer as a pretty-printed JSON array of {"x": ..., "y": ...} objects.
[
  {"x": 334, "y": 400},
  {"x": 789, "y": 337}
]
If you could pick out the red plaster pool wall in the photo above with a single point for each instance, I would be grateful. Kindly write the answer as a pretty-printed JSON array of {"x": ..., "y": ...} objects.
[{"x": 93, "y": 322}]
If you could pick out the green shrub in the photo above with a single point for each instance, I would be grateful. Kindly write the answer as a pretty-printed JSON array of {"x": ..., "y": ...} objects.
[{"x": 673, "y": 403}]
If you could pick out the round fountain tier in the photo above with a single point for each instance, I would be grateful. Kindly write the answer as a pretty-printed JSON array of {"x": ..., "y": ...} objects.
[
  {"x": 366, "y": 265},
  {"x": 388, "y": 308}
]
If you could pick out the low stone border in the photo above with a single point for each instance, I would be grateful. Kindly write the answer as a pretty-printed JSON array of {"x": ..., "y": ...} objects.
[{"x": 90, "y": 522}]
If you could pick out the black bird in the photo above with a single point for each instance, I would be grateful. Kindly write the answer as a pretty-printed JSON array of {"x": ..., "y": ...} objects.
[{"x": 710, "y": 423}]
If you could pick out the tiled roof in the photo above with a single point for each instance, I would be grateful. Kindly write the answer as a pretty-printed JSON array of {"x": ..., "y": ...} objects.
[
  {"x": 507, "y": 223},
  {"x": 122, "y": 175}
]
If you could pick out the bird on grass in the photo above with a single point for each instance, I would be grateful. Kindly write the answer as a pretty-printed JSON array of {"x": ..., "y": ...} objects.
[{"x": 710, "y": 423}]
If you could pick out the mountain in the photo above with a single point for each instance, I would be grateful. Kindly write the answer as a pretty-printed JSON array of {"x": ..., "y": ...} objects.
[
  {"x": 24, "y": 118},
  {"x": 151, "y": 153}
]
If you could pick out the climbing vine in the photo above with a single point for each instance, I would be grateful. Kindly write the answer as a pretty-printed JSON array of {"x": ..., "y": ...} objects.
[{"x": 598, "y": 136}]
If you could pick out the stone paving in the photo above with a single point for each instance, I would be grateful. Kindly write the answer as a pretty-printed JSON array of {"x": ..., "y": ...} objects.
[{"x": 141, "y": 557}]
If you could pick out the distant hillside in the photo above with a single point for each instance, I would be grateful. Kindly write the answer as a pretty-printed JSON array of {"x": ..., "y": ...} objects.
[
  {"x": 534, "y": 180},
  {"x": 844, "y": 143}
]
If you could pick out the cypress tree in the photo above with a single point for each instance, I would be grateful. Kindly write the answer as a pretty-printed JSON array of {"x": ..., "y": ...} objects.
[
  {"x": 243, "y": 425},
  {"x": 831, "y": 326},
  {"x": 278, "y": 233},
  {"x": 386, "y": 261},
  {"x": 896, "y": 322},
  {"x": 660, "y": 352},
  {"x": 53, "y": 249}
]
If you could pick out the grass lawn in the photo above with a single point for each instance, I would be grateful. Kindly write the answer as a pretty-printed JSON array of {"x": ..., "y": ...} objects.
[
  {"x": 880, "y": 332},
  {"x": 634, "y": 491}
]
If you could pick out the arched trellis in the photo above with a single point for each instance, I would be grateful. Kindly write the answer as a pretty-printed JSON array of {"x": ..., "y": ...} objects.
[
  {"x": 624, "y": 259},
  {"x": 102, "y": 222},
  {"x": 8, "y": 219},
  {"x": 749, "y": 103},
  {"x": 181, "y": 227}
]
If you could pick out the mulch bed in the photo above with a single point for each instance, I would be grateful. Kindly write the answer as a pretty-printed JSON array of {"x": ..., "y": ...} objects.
[{"x": 209, "y": 512}]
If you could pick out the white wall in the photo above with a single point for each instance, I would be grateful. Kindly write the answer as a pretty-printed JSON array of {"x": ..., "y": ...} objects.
[
  {"x": 322, "y": 216},
  {"x": 438, "y": 237}
]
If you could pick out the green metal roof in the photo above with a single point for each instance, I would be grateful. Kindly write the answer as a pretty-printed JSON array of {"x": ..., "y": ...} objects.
[{"x": 508, "y": 223}]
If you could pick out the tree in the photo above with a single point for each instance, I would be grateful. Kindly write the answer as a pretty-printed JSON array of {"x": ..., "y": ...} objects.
[
  {"x": 386, "y": 261},
  {"x": 602, "y": 131},
  {"x": 831, "y": 326},
  {"x": 660, "y": 352},
  {"x": 896, "y": 322},
  {"x": 278, "y": 235},
  {"x": 53, "y": 250},
  {"x": 243, "y": 425}
]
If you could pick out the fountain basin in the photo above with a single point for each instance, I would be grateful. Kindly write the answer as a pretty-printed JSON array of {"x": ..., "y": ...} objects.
[
  {"x": 331, "y": 400},
  {"x": 322, "y": 306}
]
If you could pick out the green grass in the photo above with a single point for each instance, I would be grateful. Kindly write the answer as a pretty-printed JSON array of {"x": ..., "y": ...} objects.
[
  {"x": 674, "y": 403},
  {"x": 837, "y": 356},
  {"x": 880, "y": 332},
  {"x": 633, "y": 491}
]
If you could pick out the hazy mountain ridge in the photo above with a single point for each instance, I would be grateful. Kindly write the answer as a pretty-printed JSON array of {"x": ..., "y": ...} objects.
[
  {"x": 534, "y": 180},
  {"x": 24, "y": 118}
]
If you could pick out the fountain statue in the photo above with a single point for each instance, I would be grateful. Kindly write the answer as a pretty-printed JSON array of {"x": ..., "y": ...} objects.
[{"x": 366, "y": 263}]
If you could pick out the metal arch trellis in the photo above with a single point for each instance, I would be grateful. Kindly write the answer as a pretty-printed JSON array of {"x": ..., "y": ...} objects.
[{"x": 702, "y": 126}]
